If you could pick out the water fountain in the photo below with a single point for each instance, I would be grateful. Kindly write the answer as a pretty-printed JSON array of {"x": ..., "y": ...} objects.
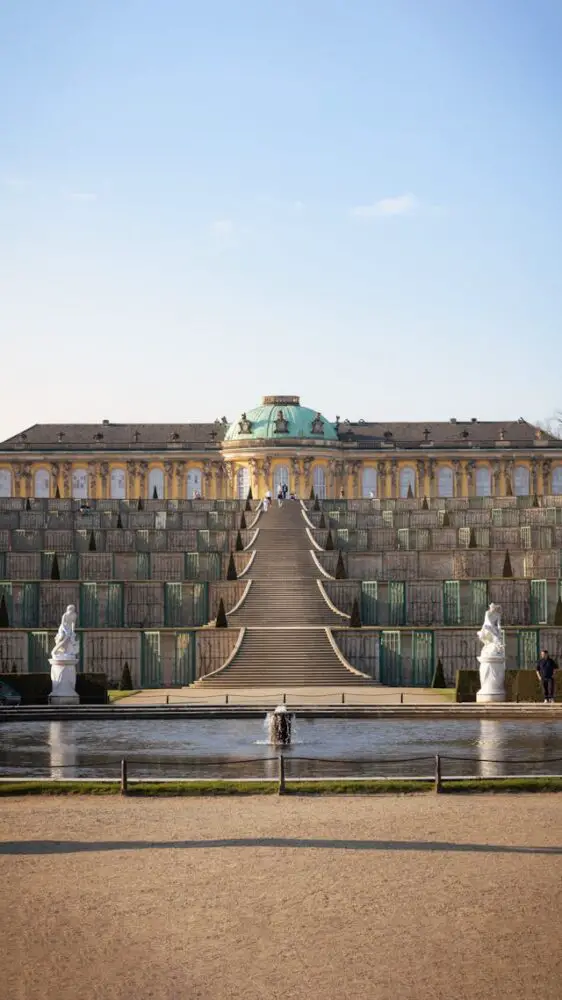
[{"x": 279, "y": 725}]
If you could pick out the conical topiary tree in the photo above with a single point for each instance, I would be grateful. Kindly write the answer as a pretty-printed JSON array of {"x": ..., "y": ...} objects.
[
  {"x": 446, "y": 520},
  {"x": 508, "y": 489},
  {"x": 472, "y": 539},
  {"x": 535, "y": 500},
  {"x": 355, "y": 618},
  {"x": 239, "y": 543},
  {"x": 57, "y": 494},
  {"x": 558, "y": 612},
  {"x": 221, "y": 619},
  {"x": 92, "y": 543},
  {"x": 231, "y": 573},
  {"x": 14, "y": 667},
  {"x": 340, "y": 568},
  {"x": 507, "y": 569},
  {"x": 425, "y": 505},
  {"x": 312, "y": 495},
  {"x": 322, "y": 521},
  {"x": 140, "y": 505},
  {"x": 316, "y": 504},
  {"x": 28, "y": 504},
  {"x": 155, "y": 494},
  {"x": 410, "y": 493},
  {"x": 329, "y": 542},
  {"x": 242, "y": 522},
  {"x": 250, "y": 494},
  {"x": 126, "y": 682},
  {"x": 438, "y": 680},
  {"x": 119, "y": 524},
  {"x": 4, "y": 616},
  {"x": 55, "y": 571},
  {"x": 248, "y": 505}
]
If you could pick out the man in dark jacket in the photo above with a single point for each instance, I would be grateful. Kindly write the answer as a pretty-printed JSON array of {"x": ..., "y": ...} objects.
[{"x": 545, "y": 672}]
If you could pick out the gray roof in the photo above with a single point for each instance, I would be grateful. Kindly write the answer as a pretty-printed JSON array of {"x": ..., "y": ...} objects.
[
  {"x": 445, "y": 434},
  {"x": 113, "y": 436}
]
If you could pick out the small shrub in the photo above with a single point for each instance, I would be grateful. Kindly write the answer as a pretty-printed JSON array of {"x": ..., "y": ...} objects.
[
  {"x": 316, "y": 504},
  {"x": 221, "y": 620},
  {"x": 322, "y": 521},
  {"x": 425, "y": 505},
  {"x": 472, "y": 539},
  {"x": 329, "y": 542},
  {"x": 119, "y": 524},
  {"x": 126, "y": 682},
  {"x": 92, "y": 543},
  {"x": 340, "y": 568},
  {"x": 55, "y": 571},
  {"x": 155, "y": 494},
  {"x": 231, "y": 573},
  {"x": 507, "y": 569},
  {"x": 4, "y": 616},
  {"x": 243, "y": 522},
  {"x": 239, "y": 546},
  {"x": 355, "y": 619},
  {"x": 558, "y": 612},
  {"x": 438, "y": 680}
]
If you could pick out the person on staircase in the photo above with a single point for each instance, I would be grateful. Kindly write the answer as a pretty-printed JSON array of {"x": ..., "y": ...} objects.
[{"x": 280, "y": 497}]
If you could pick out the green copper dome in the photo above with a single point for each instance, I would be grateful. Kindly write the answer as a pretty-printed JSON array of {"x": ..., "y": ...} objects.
[{"x": 278, "y": 418}]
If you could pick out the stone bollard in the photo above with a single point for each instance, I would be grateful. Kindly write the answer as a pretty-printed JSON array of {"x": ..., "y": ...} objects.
[
  {"x": 281, "y": 774},
  {"x": 124, "y": 785}
]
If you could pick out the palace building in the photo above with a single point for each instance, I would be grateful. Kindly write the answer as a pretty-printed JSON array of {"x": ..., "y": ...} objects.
[{"x": 279, "y": 442}]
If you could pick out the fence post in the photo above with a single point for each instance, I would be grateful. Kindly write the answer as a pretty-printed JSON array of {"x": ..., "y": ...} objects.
[
  {"x": 124, "y": 785},
  {"x": 343, "y": 697},
  {"x": 284, "y": 698},
  {"x": 438, "y": 784},
  {"x": 167, "y": 699},
  {"x": 281, "y": 774},
  {"x": 401, "y": 697},
  {"x": 226, "y": 699}
]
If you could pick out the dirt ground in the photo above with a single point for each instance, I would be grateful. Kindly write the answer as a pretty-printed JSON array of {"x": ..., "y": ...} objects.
[{"x": 390, "y": 898}]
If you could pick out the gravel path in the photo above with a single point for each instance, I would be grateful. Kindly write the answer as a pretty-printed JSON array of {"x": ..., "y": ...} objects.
[{"x": 394, "y": 898}]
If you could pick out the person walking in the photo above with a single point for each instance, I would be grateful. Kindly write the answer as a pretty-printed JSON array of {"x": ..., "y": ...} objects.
[
  {"x": 546, "y": 668},
  {"x": 280, "y": 497}
]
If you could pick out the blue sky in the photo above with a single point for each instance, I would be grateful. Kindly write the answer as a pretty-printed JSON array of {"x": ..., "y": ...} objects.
[{"x": 204, "y": 202}]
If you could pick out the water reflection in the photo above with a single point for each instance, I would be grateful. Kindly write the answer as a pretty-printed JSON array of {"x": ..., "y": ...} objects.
[
  {"x": 63, "y": 750},
  {"x": 491, "y": 748}
]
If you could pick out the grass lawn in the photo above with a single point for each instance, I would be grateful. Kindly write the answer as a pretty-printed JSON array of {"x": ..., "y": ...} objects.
[{"x": 116, "y": 695}]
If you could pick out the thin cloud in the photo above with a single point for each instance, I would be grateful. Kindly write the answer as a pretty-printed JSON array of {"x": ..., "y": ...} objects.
[{"x": 403, "y": 204}]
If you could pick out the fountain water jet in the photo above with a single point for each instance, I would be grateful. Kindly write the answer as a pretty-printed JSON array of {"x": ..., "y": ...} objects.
[{"x": 279, "y": 725}]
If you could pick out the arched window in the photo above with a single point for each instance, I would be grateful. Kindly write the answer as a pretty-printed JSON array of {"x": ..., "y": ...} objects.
[
  {"x": 156, "y": 484},
  {"x": 194, "y": 484},
  {"x": 80, "y": 484},
  {"x": 5, "y": 483},
  {"x": 556, "y": 480},
  {"x": 445, "y": 481},
  {"x": 280, "y": 478},
  {"x": 407, "y": 481},
  {"x": 319, "y": 481},
  {"x": 41, "y": 484},
  {"x": 521, "y": 481},
  {"x": 483, "y": 481},
  {"x": 369, "y": 482},
  {"x": 243, "y": 482},
  {"x": 117, "y": 484}
]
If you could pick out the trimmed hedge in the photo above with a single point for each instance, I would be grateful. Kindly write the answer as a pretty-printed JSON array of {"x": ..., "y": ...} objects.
[
  {"x": 520, "y": 685},
  {"x": 36, "y": 688}
]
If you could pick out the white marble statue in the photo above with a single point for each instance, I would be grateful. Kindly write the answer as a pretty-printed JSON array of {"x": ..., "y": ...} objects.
[
  {"x": 64, "y": 656},
  {"x": 66, "y": 640},
  {"x": 490, "y": 634},
  {"x": 492, "y": 657}
]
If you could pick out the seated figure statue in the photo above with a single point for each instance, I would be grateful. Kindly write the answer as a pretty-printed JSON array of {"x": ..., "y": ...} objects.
[
  {"x": 490, "y": 634},
  {"x": 66, "y": 640}
]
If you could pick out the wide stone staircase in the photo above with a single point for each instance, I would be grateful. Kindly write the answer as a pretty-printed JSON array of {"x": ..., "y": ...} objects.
[{"x": 285, "y": 616}]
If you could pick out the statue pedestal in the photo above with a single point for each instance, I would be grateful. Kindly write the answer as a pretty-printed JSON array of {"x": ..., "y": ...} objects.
[
  {"x": 492, "y": 677},
  {"x": 63, "y": 677}
]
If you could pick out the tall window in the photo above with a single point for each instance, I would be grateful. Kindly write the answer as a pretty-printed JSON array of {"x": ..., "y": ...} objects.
[
  {"x": 483, "y": 481},
  {"x": 156, "y": 484},
  {"x": 319, "y": 481},
  {"x": 80, "y": 484},
  {"x": 117, "y": 485},
  {"x": 556, "y": 480},
  {"x": 521, "y": 481},
  {"x": 445, "y": 481},
  {"x": 280, "y": 477},
  {"x": 243, "y": 482},
  {"x": 5, "y": 483},
  {"x": 194, "y": 481},
  {"x": 369, "y": 481},
  {"x": 41, "y": 484},
  {"x": 407, "y": 481}
]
